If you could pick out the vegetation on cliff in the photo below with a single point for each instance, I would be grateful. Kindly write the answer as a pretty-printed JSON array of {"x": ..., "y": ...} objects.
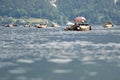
[{"x": 96, "y": 11}]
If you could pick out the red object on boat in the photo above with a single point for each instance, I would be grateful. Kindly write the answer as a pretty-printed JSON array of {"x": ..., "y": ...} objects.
[{"x": 80, "y": 19}]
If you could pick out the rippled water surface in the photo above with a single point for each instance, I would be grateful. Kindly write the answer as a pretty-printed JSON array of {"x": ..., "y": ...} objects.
[{"x": 55, "y": 54}]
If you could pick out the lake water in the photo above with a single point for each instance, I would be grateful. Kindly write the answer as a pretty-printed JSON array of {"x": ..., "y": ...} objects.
[{"x": 55, "y": 54}]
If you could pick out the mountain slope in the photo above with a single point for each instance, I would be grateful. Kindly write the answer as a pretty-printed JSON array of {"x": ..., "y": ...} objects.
[{"x": 96, "y": 11}]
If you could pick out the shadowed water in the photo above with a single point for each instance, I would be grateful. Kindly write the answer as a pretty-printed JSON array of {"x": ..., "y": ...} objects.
[{"x": 55, "y": 54}]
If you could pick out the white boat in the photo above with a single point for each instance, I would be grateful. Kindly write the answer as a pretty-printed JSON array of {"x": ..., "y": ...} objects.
[
  {"x": 108, "y": 25},
  {"x": 79, "y": 27},
  {"x": 41, "y": 25}
]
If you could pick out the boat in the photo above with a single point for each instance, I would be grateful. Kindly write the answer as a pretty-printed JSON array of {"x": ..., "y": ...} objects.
[
  {"x": 79, "y": 25},
  {"x": 108, "y": 25},
  {"x": 54, "y": 24},
  {"x": 26, "y": 25},
  {"x": 10, "y": 25},
  {"x": 41, "y": 25}
]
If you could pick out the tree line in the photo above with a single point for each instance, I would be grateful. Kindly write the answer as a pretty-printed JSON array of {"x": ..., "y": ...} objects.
[{"x": 96, "y": 11}]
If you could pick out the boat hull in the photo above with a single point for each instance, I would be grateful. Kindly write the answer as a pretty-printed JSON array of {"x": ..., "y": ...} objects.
[
  {"x": 80, "y": 27},
  {"x": 108, "y": 26}
]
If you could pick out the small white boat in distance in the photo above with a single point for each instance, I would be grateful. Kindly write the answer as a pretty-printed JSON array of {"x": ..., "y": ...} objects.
[{"x": 108, "y": 25}]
